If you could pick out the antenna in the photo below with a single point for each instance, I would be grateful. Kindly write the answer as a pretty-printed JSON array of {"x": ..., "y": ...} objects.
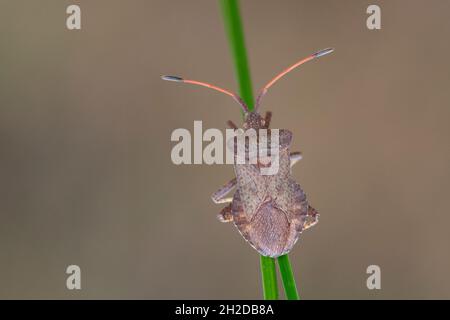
[
  {"x": 283, "y": 73},
  {"x": 204, "y": 84}
]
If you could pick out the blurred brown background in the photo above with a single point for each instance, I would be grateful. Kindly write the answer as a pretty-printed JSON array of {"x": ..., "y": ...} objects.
[{"x": 85, "y": 169}]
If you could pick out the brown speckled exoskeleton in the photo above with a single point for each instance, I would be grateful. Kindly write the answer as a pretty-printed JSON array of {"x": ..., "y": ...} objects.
[{"x": 270, "y": 211}]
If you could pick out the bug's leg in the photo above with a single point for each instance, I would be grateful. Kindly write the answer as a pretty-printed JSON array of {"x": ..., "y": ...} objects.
[
  {"x": 295, "y": 157},
  {"x": 219, "y": 195},
  {"x": 225, "y": 214},
  {"x": 232, "y": 125},
  {"x": 267, "y": 119},
  {"x": 312, "y": 217}
]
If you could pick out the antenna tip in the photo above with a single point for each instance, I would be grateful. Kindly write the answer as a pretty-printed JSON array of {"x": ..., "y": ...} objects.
[
  {"x": 172, "y": 78},
  {"x": 323, "y": 52}
]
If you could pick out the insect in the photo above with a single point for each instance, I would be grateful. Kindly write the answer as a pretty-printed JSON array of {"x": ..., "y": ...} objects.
[{"x": 270, "y": 211}]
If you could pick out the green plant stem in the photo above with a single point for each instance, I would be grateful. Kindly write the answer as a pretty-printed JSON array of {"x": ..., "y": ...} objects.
[
  {"x": 269, "y": 278},
  {"x": 233, "y": 26},
  {"x": 287, "y": 276}
]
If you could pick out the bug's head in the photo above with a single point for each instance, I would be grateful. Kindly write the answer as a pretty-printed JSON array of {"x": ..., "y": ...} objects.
[{"x": 252, "y": 118}]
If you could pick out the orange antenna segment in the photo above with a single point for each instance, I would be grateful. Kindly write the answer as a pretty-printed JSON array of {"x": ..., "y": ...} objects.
[
  {"x": 286, "y": 71},
  {"x": 208, "y": 85}
]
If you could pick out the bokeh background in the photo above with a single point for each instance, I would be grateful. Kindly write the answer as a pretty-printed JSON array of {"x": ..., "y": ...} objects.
[{"x": 85, "y": 124}]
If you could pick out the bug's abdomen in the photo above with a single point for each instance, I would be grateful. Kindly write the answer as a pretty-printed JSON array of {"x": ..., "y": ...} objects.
[{"x": 269, "y": 229}]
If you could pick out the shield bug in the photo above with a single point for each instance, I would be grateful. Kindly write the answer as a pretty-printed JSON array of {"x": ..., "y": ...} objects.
[{"x": 270, "y": 211}]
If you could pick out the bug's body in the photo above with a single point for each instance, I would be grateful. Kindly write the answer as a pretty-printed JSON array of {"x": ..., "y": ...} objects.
[{"x": 270, "y": 211}]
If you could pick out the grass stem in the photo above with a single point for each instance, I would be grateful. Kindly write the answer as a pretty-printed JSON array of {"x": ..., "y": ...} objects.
[
  {"x": 234, "y": 30},
  {"x": 290, "y": 288},
  {"x": 233, "y": 26},
  {"x": 269, "y": 278}
]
